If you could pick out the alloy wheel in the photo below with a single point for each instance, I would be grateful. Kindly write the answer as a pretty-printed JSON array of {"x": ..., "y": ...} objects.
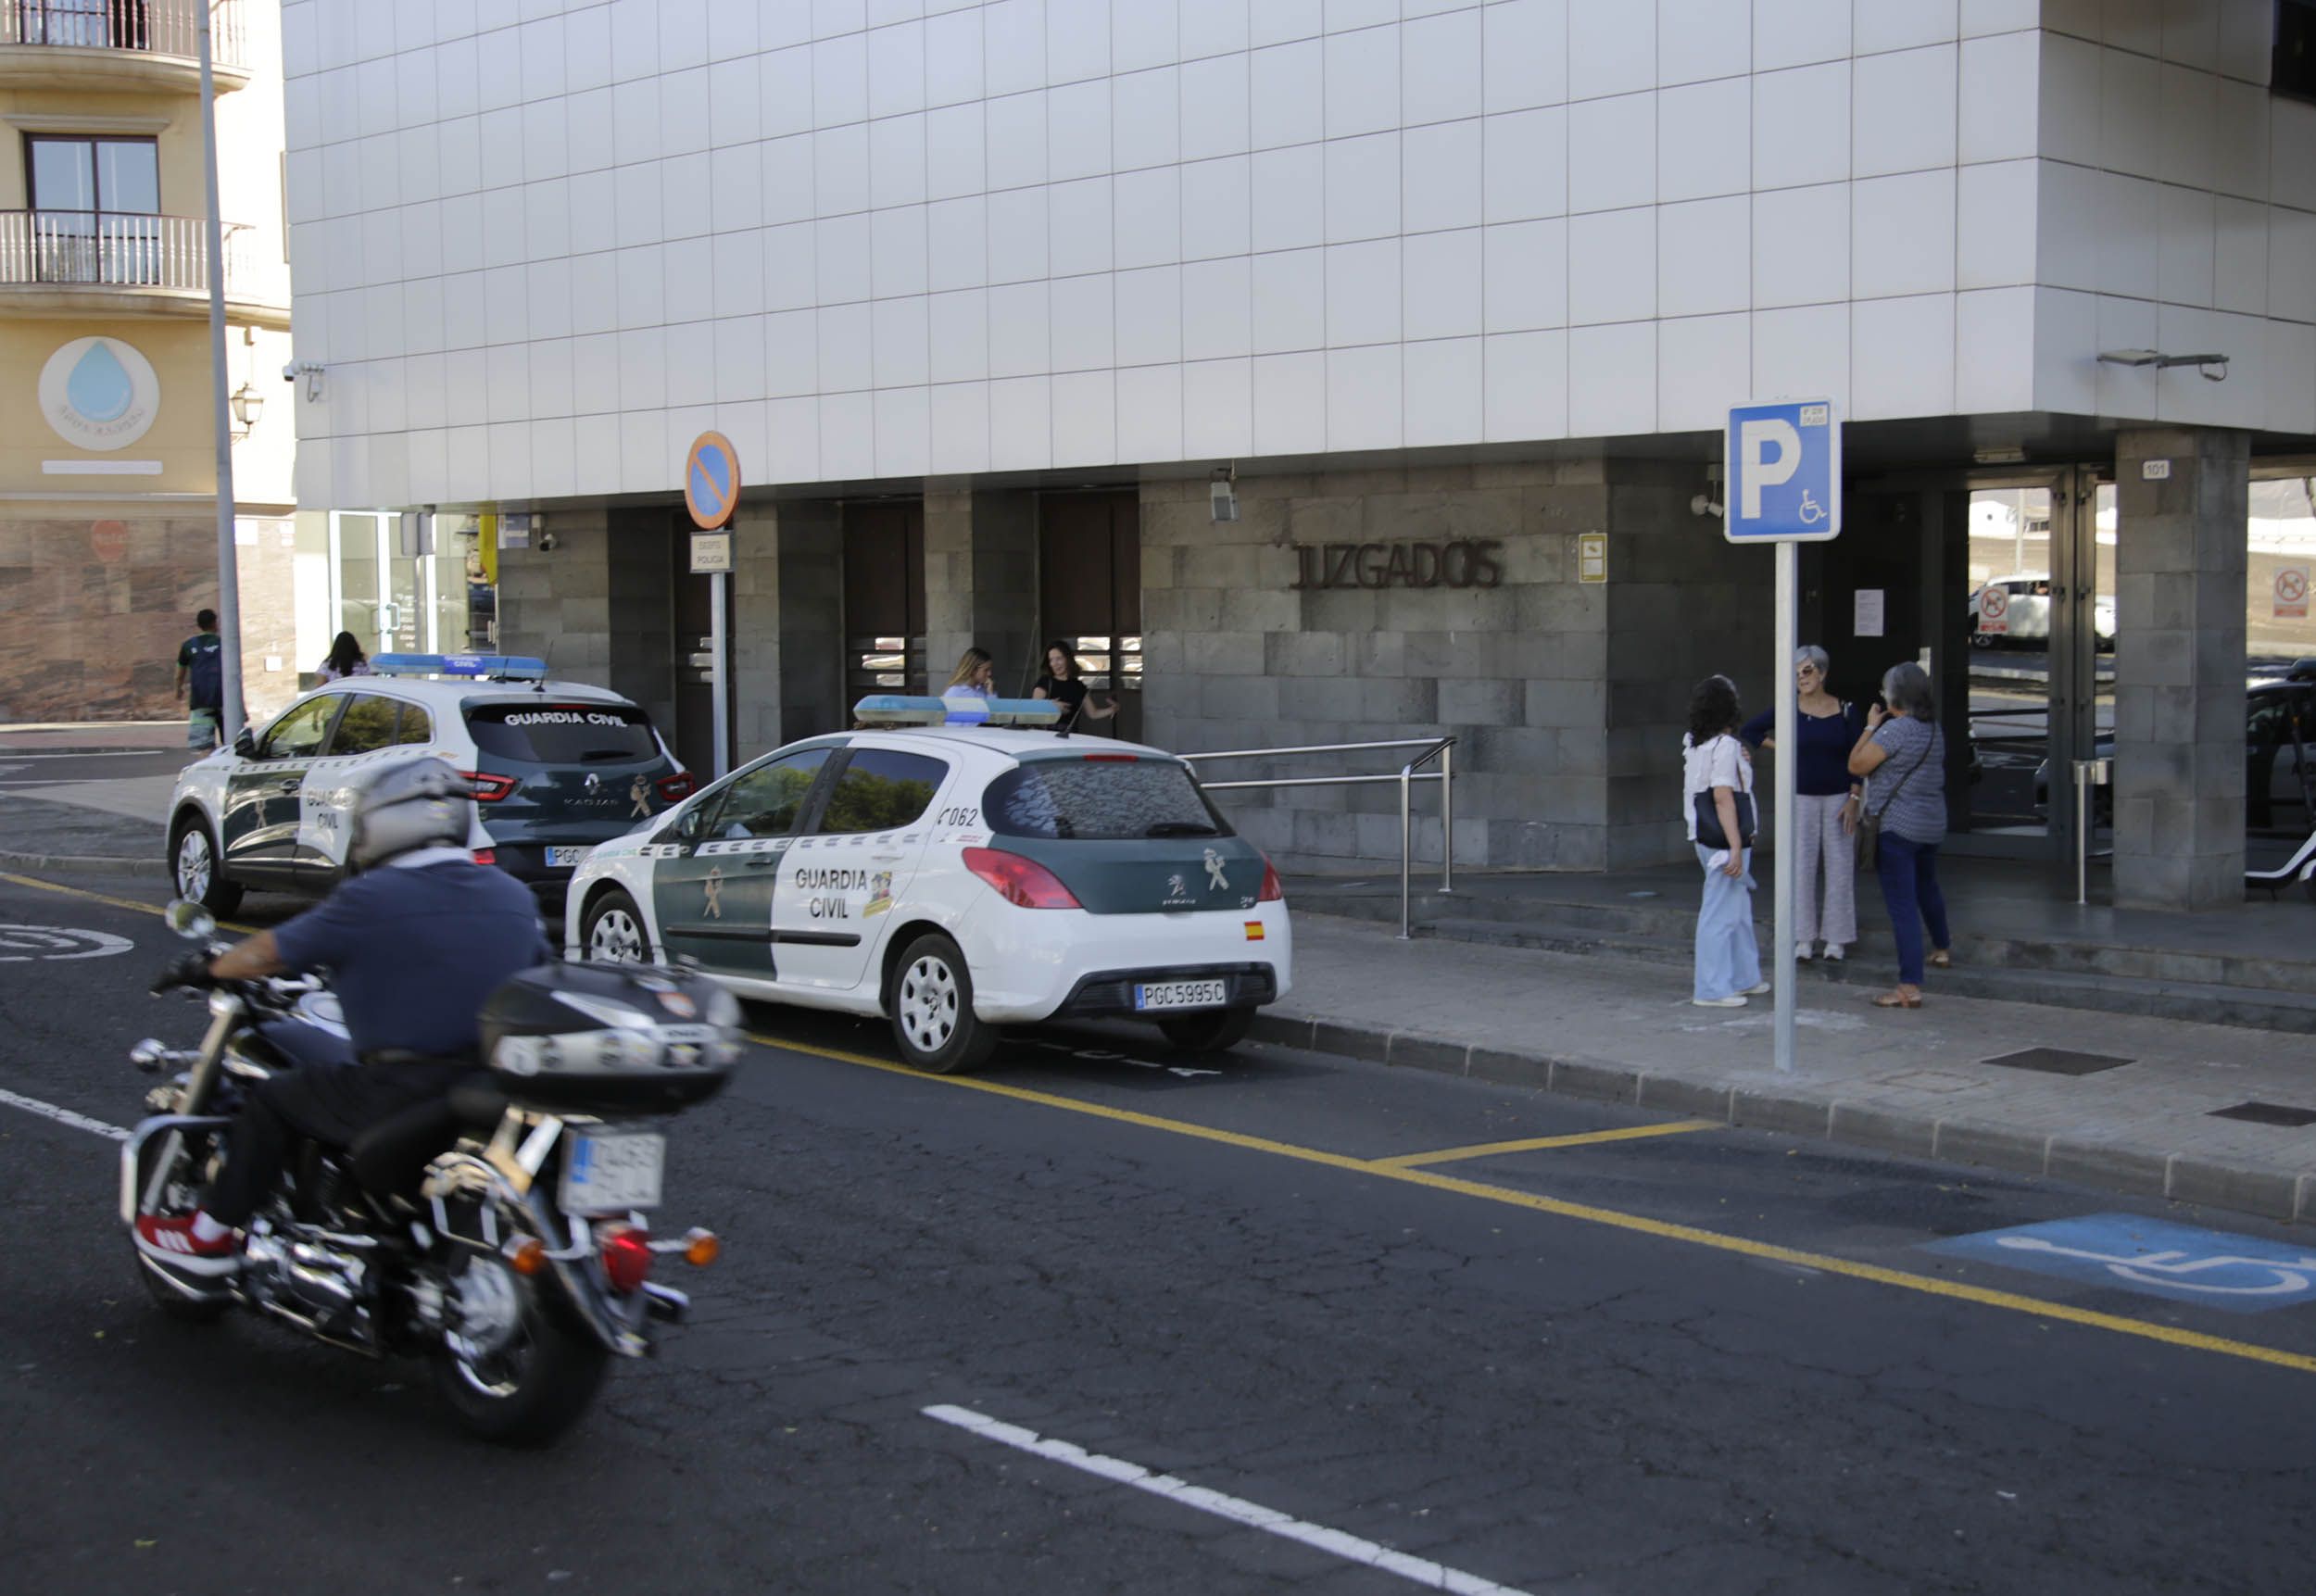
[
  {"x": 615, "y": 939},
  {"x": 194, "y": 865},
  {"x": 928, "y": 1003}
]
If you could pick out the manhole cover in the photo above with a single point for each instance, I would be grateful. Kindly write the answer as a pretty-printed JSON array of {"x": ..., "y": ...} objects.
[
  {"x": 2057, "y": 1061},
  {"x": 2268, "y": 1113}
]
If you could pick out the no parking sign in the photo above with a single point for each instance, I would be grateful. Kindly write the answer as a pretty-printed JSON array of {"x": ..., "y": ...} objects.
[
  {"x": 1994, "y": 609},
  {"x": 2292, "y": 592}
]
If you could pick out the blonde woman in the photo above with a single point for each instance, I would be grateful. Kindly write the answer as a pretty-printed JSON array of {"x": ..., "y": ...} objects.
[{"x": 975, "y": 676}]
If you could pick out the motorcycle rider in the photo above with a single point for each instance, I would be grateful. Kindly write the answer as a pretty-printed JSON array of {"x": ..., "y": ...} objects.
[{"x": 415, "y": 940}]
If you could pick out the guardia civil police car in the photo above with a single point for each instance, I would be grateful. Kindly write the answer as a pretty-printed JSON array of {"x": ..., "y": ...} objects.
[
  {"x": 557, "y": 767},
  {"x": 955, "y": 868}
]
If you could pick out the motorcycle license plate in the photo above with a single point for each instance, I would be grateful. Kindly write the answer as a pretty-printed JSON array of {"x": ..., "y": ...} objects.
[
  {"x": 606, "y": 1171},
  {"x": 565, "y": 857},
  {"x": 1181, "y": 994}
]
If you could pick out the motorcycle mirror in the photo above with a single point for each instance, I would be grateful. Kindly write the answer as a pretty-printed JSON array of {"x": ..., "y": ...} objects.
[{"x": 189, "y": 920}]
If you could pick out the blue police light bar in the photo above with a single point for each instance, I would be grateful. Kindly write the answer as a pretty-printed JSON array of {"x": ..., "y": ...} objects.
[
  {"x": 501, "y": 667},
  {"x": 899, "y": 709}
]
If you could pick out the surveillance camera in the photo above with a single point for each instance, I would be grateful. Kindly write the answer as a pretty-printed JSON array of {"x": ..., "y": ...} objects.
[
  {"x": 547, "y": 543},
  {"x": 289, "y": 372}
]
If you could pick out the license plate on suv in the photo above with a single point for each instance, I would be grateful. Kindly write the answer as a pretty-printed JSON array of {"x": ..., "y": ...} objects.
[
  {"x": 1181, "y": 994},
  {"x": 566, "y": 858},
  {"x": 607, "y": 1171}
]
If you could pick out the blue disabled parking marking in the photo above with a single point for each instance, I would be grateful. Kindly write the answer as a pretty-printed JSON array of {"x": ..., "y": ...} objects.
[{"x": 2239, "y": 1274}]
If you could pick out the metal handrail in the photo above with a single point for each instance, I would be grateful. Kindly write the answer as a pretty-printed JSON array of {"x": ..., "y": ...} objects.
[
  {"x": 1440, "y": 748},
  {"x": 114, "y": 249},
  {"x": 147, "y": 27}
]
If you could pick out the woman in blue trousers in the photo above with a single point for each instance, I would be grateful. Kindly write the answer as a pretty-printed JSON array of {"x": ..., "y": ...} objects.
[
  {"x": 1904, "y": 756},
  {"x": 1717, "y": 772}
]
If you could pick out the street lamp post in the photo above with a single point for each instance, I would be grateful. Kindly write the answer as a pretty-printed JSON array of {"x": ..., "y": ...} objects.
[{"x": 229, "y": 717}]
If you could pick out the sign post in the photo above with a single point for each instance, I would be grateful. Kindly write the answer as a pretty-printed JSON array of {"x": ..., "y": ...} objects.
[
  {"x": 712, "y": 491},
  {"x": 1782, "y": 465}
]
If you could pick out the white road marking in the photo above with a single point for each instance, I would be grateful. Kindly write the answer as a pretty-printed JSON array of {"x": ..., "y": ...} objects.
[
  {"x": 1420, "y": 1570},
  {"x": 63, "y": 1116},
  {"x": 20, "y": 944}
]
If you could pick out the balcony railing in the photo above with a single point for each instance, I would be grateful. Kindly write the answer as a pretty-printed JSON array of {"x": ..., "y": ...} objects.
[
  {"x": 155, "y": 27},
  {"x": 114, "y": 249}
]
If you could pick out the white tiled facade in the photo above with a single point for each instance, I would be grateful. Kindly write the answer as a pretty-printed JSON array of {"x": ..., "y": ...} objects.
[{"x": 540, "y": 243}]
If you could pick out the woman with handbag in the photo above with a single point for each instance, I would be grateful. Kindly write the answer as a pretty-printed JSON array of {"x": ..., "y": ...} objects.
[
  {"x": 1825, "y": 806},
  {"x": 1904, "y": 753},
  {"x": 1716, "y": 803}
]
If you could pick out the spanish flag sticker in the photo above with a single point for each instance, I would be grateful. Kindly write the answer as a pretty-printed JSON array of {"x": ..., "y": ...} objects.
[{"x": 1255, "y": 931}]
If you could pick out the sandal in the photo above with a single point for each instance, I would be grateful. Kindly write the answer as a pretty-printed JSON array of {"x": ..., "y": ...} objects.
[
  {"x": 1895, "y": 1000},
  {"x": 1941, "y": 960}
]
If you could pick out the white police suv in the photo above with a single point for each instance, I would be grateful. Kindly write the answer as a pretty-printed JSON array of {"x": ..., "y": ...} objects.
[
  {"x": 955, "y": 868},
  {"x": 557, "y": 767}
]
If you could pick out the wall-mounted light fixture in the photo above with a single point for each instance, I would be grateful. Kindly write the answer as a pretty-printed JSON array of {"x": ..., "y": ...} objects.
[
  {"x": 1222, "y": 494},
  {"x": 1710, "y": 501},
  {"x": 248, "y": 405},
  {"x": 2211, "y": 368}
]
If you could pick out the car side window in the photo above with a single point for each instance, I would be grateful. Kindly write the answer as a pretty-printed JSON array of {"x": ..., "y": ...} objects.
[
  {"x": 416, "y": 726},
  {"x": 367, "y": 725},
  {"x": 766, "y": 800},
  {"x": 881, "y": 788},
  {"x": 299, "y": 734}
]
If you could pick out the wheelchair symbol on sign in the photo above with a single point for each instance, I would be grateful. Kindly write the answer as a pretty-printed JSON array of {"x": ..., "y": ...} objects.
[
  {"x": 2175, "y": 1268},
  {"x": 1811, "y": 512}
]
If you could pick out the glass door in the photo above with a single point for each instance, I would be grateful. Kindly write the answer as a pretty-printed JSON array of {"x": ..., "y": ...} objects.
[{"x": 392, "y": 602}]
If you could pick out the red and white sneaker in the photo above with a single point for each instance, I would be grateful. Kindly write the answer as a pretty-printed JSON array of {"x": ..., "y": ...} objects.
[{"x": 171, "y": 1241}]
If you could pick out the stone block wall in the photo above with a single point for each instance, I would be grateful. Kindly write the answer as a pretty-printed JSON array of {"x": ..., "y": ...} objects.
[
  {"x": 980, "y": 581},
  {"x": 597, "y": 608}
]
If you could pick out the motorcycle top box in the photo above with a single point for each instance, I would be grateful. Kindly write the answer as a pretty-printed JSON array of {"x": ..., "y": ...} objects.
[{"x": 611, "y": 1039}]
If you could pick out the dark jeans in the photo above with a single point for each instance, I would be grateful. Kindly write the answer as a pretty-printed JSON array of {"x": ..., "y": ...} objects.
[
  {"x": 1910, "y": 889},
  {"x": 331, "y": 1104}
]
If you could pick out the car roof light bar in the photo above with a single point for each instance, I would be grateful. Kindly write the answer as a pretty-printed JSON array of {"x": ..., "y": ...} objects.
[
  {"x": 900, "y": 710},
  {"x": 499, "y": 667}
]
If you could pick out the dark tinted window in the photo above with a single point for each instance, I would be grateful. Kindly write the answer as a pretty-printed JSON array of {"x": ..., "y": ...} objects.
[
  {"x": 880, "y": 789},
  {"x": 552, "y": 733},
  {"x": 765, "y": 801},
  {"x": 1100, "y": 797},
  {"x": 2294, "y": 68},
  {"x": 297, "y": 734},
  {"x": 367, "y": 725},
  {"x": 415, "y": 726}
]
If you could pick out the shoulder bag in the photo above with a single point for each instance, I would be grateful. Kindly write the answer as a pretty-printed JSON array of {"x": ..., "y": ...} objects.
[
  {"x": 1709, "y": 833},
  {"x": 1870, "y": 822}
]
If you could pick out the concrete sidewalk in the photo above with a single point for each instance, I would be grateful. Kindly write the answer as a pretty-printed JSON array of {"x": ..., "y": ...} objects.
[
  {"x": 92, "y": 737},
  {"x": 1917, "y": 1082}
]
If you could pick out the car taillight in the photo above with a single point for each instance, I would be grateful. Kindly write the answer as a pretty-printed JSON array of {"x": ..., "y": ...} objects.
[
  {"x": 1023, "y": 883},
  {"x": 626, "y": 1258},
  {"x": 489, "y": 788},
  {"x": 1274, "y": 891},
  {"x": 487, "y": 856},
  {"x": 678, "y": 788}
]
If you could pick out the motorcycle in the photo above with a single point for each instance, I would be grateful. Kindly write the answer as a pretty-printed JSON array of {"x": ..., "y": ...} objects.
[{"x": 501, "y": 1233}]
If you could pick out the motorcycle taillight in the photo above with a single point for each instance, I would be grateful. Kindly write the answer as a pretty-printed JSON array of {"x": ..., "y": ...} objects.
[{"x": 626, "y": 1258}]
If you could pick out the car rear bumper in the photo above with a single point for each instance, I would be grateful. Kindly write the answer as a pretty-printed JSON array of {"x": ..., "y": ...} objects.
[
  {"x": 1111, "y": 992},
  {"x": 1032, "y": 964}
]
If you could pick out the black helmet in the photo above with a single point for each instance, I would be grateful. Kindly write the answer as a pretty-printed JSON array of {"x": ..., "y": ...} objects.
[
  {"x": 610, "y": 1038},
  {"x": 406, "y": 805}
]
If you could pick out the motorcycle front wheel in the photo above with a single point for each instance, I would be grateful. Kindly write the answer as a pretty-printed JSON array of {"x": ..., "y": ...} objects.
[
  {"x": 189, "y": 1303},
  {"x": 528, "y": 1384}
]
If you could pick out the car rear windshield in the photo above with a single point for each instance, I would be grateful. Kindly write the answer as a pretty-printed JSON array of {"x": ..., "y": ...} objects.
[
  {"x": 553, "y": 734},
  {"x": 1104, "y": 796}
]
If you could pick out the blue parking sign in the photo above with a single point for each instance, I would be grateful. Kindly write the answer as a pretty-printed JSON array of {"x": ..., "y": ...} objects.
[{"x": 1782, "y": 466}]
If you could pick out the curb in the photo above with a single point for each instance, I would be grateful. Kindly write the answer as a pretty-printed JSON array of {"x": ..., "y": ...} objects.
[
  {"x": 85, "y": 864},
  {"x": 2270, "y": 1193}
]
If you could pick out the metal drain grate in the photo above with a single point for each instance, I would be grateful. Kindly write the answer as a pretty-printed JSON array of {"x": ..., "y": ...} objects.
[
  {"x": 2268, "y": 1113},
  {"x": 2057, "y": 1061}
]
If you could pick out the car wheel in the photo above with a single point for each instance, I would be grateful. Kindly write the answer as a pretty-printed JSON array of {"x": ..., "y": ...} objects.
[
  {"x": 612, "y": 933},
  {"x": 931, "y": 1007},
  {"x": 1982, "y": 639},
  {"x": 193, "y": 870},
  {"x": 1214, "y": 1031}
]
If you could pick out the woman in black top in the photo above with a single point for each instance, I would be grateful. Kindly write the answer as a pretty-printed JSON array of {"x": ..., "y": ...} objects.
[{"x": 1060, "y": 682}]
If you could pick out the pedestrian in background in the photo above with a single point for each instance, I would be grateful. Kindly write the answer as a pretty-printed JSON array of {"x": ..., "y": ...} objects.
[
  {"x": 201, "y": 682},
  {"x": 1717, "y": 802},
  {"x": 346, "y": 659},
  {"x": 1061, "y": 684},
  {"x": 1904, "y": 753},
  {"x": 975, "y": 676},
  {"x": 1825, "y": 807}
]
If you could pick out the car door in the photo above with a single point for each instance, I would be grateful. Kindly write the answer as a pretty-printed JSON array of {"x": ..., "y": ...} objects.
[
  {"x": 713, "y": 900},
  {"x": 841, "y": 881},
  {"x": 263, "y": 794},
  {"x": 326, "y": 801}
]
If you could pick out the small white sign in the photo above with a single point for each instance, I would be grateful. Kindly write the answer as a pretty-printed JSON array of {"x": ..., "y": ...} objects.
[
  {"x": 1868, "y": 605},
  {"x": 2155, "y": 471},
  {"x": 2292, "y": 592},
  {"x": 712, "y": 553},
  {"x": 514, "y": 531},
  {"x": 1592, "y": 557}
]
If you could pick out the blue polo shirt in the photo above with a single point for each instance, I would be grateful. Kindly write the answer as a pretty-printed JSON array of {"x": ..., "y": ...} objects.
[{"x": 412, "y": 953}]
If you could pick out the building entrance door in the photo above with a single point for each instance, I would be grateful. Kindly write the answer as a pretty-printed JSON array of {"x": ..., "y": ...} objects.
[
  {"x": 884, "y": 599},
  {"x": 1089, "y": 593}
]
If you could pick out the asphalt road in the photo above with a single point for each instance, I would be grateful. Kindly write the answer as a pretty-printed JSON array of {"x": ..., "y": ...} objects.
[{"x": 1691, "y": 1360}]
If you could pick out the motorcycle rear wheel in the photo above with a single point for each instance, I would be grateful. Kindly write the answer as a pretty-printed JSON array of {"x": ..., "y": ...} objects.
[{"x": 533, "y": 1389}]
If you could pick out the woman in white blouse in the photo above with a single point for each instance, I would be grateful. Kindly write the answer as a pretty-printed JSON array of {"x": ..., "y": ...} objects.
[{"x": 1717, "y": 804}]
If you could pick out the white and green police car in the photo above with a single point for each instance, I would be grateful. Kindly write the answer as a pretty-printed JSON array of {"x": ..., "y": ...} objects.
[
  {"x": 557, "y": 767},
  {"x": 955, "y": 868}
]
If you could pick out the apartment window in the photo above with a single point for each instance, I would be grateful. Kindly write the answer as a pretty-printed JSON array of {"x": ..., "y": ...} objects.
[
  {"x": 2293, "y": 70},
  {"x": 96, "y": 208}
]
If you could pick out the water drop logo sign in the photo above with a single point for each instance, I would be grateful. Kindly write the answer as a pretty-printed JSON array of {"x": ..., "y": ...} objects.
[{"x": 99, "y": 393}]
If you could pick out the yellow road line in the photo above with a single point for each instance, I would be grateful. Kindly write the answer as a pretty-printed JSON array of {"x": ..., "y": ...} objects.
[
  {"x": 1955, "y": 1290},
  {"x": 129, "y": 903},
  {"x": 1539, "y": 1143},
  {"x": 1635, "y": 1224}
]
